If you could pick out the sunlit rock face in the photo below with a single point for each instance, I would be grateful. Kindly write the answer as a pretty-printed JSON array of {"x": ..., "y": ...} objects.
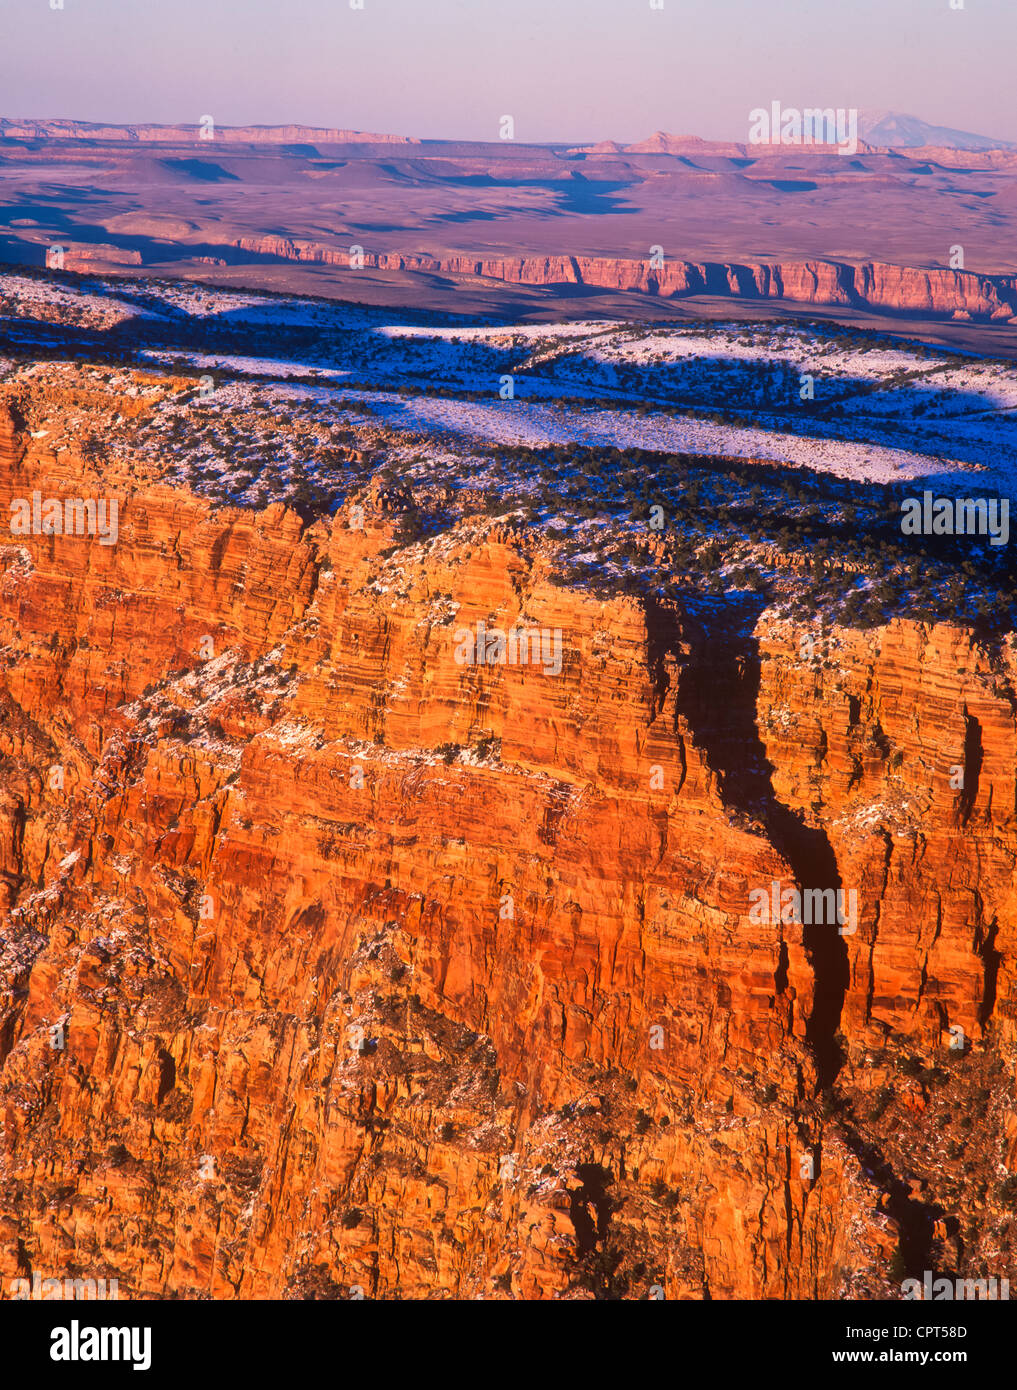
[{"x": 335, "y": 962}]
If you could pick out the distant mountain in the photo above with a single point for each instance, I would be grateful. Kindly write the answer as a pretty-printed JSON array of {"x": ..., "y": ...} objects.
[
  {"x": 876, "y": 129},
  {"x": 908, "y": 132}
]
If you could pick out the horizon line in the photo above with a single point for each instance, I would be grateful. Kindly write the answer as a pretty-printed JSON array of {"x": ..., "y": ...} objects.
[{"x": 348, "y": 134}]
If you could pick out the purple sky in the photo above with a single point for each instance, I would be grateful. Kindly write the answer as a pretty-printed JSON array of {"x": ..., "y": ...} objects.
[{"x": 564, "y": 69}]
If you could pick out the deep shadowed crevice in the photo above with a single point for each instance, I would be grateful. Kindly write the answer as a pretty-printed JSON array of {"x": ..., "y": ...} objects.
[
  {"x": 167, "y": 1075},
  {"x": 590, "y": 1206},
  {"x": 7, "y": 1031},
  {"x": 985, "y": 945},
  {"x": 718, "y": 696},
  {"x": 780, "y": 976},
  {"x": 600, "y": 1247},
  {"x": 814, "y": 864},
  {"x": 972, "y": 766},
  {"x": 915, "y": 1220}
]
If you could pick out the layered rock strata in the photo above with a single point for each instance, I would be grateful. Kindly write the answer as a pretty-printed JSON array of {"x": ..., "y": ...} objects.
[
  {"x": 334, "y": 965},
  {"x": 871, "y": 284}
]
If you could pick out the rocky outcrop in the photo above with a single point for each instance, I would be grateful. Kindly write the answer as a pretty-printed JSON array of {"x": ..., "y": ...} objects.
[
  {"x": 82, "y": 256},
  {"x": 333, "y": 963}
]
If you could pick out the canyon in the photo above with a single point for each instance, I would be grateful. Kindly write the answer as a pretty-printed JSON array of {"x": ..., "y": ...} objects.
[
  {"x": 333, "y": 967},
  {"x": 917, "y": 239}
]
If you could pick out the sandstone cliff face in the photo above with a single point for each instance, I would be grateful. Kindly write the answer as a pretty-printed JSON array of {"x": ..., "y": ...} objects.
[
  {"x": 871, "y": 284},
  {"x": 331, "y": 964},
  {"x": 927, "y": 830}
]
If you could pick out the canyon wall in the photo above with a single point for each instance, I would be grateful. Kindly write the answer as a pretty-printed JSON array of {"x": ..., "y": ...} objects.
[
  {"x": 331, "y": 965},
  {"x": 871, "y": 284}
]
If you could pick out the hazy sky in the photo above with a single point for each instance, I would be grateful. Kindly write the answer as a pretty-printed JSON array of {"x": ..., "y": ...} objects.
[{"x": 564, "y": 69}]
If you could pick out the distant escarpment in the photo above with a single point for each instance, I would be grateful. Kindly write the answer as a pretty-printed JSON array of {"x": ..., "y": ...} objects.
[
  {"x": 870, "y": 285},
  {"x": 149, "y": 133},
  {"x": 334, "y": 963}
]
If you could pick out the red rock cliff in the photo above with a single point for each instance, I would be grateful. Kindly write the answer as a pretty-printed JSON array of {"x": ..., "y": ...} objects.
[
  {"x": 871, "y": 284},
  {"x": 332, "y": 964}
]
